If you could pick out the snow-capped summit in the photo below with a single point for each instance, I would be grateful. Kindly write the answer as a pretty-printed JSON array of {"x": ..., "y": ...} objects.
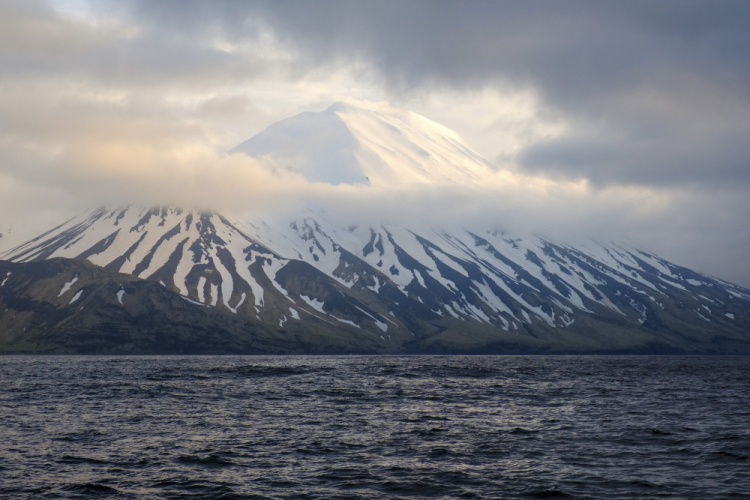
[{"x": 368, "y": 143}]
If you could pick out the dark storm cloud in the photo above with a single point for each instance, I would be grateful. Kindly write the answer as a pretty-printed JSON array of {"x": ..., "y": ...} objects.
[{"x": 656, "y": 93}]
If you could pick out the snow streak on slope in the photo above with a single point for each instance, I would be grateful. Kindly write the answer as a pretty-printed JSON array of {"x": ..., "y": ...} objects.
[{"x": 368, "y": 143}]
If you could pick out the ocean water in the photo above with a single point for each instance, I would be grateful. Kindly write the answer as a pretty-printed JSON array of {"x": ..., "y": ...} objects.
[{"x": 374, "y": 427}]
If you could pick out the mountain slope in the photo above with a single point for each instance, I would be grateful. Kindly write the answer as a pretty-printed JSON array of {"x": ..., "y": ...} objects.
[
  {"x": 71, "y": 306},
  {"x": 408, "y": 290}
]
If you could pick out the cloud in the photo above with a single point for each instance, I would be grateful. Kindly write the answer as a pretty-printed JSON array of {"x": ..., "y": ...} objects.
[{"x": 646, "y": 86}]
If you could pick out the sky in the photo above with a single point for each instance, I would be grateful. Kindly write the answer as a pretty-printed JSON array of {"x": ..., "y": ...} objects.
[{"x": 627, "y": 119}]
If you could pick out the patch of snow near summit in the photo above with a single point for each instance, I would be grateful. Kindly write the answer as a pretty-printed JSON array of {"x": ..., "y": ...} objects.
[
  {"x": 729, "y": 315},
  {"x": 119, "y": 296}
]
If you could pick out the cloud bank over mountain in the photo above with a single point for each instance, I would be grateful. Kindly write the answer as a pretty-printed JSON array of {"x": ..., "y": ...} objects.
[{"x": 628, "y": 118}]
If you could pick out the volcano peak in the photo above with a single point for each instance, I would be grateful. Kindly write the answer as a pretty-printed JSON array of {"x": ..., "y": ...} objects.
[{"x": 368, "y": 143}]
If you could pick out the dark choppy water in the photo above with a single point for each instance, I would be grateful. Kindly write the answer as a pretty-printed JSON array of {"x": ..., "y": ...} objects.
[{"x": 375, "y": 427}]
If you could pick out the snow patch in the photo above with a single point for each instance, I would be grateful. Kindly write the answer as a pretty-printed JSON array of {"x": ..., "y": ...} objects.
[
  {"x": 676, "y": 285},
  {"x": 419, "y": 279},
  {"x": 566, "y": 320},
  {"x": 377, "y": 285},
  {"x": 294, "y": 313},
  {"x": 314, "y": 303},
  {"x": 242, "y": 299},
  {"x": 76, "y": 296},
  {"x": 274, "y": 267},
  {"x": 352, "y": 323},
  {"x": 492, "y": 300},
  {"x": 201, "y": 287},
  {"x": 191, "y": 301},
  {"x": 450, "y": 310},
  {"x": 244, "y": 272},
  {"x": 214, "y": 294},
  {"x": 119, "y": 296},
  {"x": 379, "y": 324},
  {"x": 67, "y": 286}
]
